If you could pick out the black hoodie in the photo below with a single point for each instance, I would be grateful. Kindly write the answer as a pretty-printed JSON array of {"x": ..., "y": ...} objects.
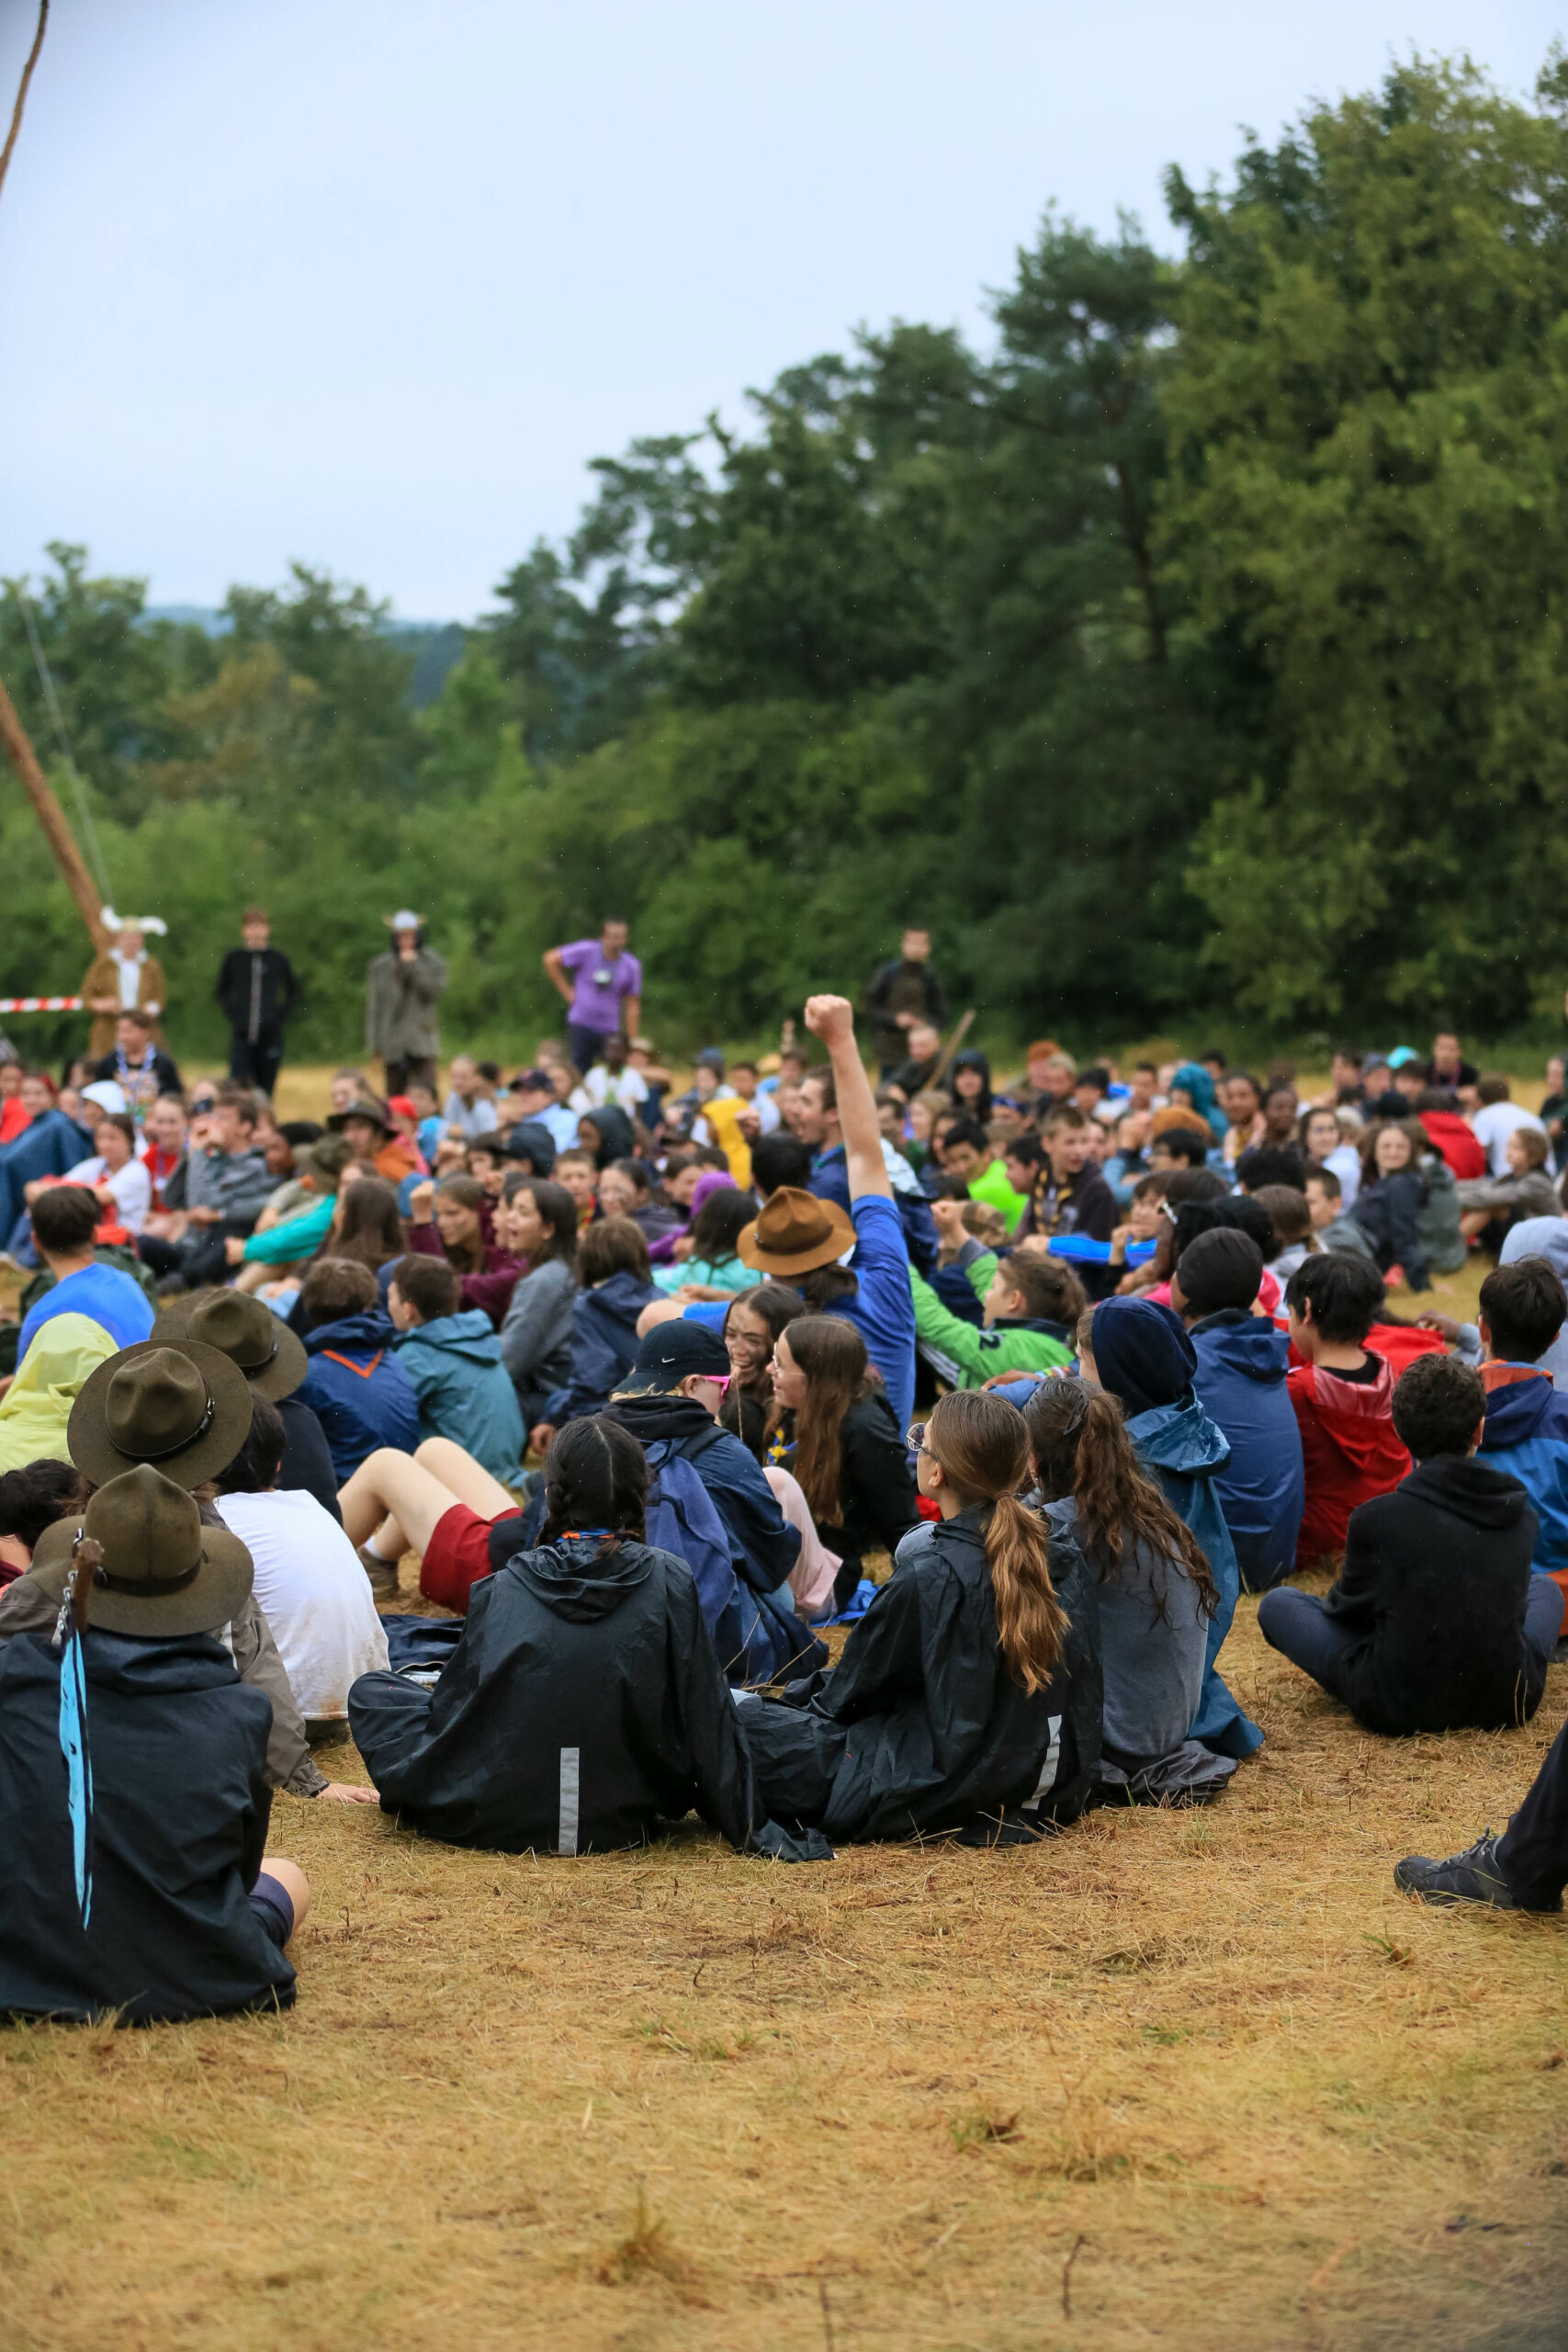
[
  {"x": 583, "y": 1704},
  {"x": 1436, "y": 1577}
]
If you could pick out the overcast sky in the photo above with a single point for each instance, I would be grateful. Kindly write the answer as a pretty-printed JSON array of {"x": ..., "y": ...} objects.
[{"x": 369, "y": 281}]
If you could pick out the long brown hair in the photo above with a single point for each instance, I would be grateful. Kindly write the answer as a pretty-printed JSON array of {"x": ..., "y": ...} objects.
[
  {"x": 369, "y": 1228},
  {"x": 1079, "y": 1445},
  {"x": 468, "y": 1257},
  {"x": 981, "y": 1443},
  {"x": 831, "y": 1353}
]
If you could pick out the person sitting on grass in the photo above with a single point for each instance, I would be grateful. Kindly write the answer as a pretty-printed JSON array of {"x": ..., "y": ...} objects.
[
  {"x": 968, "y": 1696},
  {"x": 1492, "y": 1203},
  {"x": 584, "y": 1705},
  {"x": 453, "y": 1358},
  {"x": 356, "y": 1387},
  {"x": 1524, "y": 1870},
  {"x": 1522, "y": 1310},
  {"x": 274, "y": 1363},
  {"x": 293, "y": 1239},
  {"x": 1024, "y": 1330},
  {"x": 834, "y": 1430},
  {"x": 1331, "y": 1222},
  {"x": 1343, "y": 1398},
  {"x": 1240, "y": 1382},
  {"x": 537, "y": 1222},
  {"x": 174, "y": 1908},
  {"x": 1436, "y": 1622},
  {"x": 1156, "y": 1593},
  {"x": 1140, "y": 1353},
  {"x": 306, "y": 1577},
  {"x": 614, "y": 1284}
]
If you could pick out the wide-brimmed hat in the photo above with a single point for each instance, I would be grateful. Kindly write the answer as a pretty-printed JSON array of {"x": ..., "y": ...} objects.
[
  {"x": 162, "y": 1571},
  {"x": 796, "y": 1233},
  {"x": 364, "y": 1109},
  {"x": 247, "y": 1333},
  {"x": 184, "y": 1409},
  {"x": 327, "y": 1159}
]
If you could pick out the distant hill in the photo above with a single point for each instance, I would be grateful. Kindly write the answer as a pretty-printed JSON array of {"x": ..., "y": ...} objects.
[{"x": 435, "y": 645}]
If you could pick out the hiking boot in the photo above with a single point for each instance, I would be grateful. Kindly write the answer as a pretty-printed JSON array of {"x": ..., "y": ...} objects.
[
  {"x": 383, "y": 1575},
  {"x": 1474, "y": 1876}
]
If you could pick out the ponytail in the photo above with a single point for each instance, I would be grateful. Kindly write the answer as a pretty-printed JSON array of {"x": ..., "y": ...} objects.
[
  {"x": 982, "y": 1445},
  {"x": 1031, "y": 1622},
  {"x": 1080, "y": 1447}
]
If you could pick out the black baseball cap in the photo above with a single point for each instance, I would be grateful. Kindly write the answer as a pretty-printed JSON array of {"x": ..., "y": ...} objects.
[{"x": 671, "y": 1352}]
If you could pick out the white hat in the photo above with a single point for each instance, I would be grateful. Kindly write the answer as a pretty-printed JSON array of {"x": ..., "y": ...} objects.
[
  {"x": 108, "y": 1093},
  {"x": 405, "y": 919}
]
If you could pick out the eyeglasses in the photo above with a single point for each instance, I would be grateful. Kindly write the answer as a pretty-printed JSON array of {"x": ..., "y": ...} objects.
[{"x": 915, "y": 1437}]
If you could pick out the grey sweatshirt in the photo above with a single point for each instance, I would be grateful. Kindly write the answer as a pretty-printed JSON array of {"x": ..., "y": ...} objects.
[
  {"x": 536, "y": 1336},
  {"x": 1153, "y": 1666}
]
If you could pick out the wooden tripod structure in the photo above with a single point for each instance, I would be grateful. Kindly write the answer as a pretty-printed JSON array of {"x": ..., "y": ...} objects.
[{"x": 13, "y": 734}]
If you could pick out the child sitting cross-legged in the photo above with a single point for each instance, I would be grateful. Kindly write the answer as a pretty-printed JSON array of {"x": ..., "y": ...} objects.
[{"x": 1436, "y": 1622}]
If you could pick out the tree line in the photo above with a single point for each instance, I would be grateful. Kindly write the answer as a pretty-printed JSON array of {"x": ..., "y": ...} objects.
[{"x": 1194, "y": 652}]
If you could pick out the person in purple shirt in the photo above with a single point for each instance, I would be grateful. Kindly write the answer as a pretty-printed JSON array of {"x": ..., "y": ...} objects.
[{"x": 601, "y": 986}]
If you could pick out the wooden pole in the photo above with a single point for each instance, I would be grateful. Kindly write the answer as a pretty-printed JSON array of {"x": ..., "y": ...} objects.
[
  {"x": 52, "y": 817},
  {"x": 22, "y": 93}
]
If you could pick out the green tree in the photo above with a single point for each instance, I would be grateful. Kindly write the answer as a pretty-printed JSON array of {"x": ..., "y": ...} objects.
[{"x": 1367, "y": 507}]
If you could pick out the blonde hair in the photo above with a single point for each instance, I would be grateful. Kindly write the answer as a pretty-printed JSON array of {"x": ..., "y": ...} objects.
[{"x": 981, "y": 1444}]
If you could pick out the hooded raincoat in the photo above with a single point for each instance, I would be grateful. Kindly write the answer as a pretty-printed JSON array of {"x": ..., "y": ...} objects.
[
  {"x": 603, "y": 1345},
  {"x": 180, "y": 1810},
  {"x": 358, "y": 1390},
  {"x": 1349, "y": 1448},
  {"x": 1196, "y": 1083},
  {"x": 1240, "y": 1382},
  {"x": 1436, "y": 1578},
  {"x": 920, "y": 1725},
  {"x": 464, "y": 1389},
  {"x": 582, "y": 1707},
  {"x": 1526, "y": 1433}
]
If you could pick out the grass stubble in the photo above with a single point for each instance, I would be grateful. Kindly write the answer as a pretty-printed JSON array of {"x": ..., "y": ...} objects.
[{"x": 1171, "y": 2079}]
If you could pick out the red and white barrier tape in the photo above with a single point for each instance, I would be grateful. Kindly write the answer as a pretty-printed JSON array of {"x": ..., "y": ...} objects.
[{"x": 41, "y": 1003}]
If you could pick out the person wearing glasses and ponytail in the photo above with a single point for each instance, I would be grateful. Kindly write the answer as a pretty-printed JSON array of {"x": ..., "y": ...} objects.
[{"x": 968, "y": 1697}]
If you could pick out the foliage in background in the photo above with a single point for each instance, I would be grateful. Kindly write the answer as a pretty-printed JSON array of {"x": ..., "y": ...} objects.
[{"x": 1195, "y": 648}]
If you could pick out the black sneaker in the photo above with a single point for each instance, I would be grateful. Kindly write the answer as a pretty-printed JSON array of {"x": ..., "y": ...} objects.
[{"x": 1470, "y": 1877}]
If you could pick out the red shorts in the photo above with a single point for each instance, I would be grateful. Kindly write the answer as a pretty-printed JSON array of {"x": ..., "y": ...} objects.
[{"x": 458, "y": 1554}]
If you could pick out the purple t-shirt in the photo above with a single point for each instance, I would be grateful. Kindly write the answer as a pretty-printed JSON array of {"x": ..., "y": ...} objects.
[{"x": 599, "y": 985}]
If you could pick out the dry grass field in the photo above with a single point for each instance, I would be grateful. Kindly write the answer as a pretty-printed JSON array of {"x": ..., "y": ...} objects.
[{"x": 1172, "y": 2080}]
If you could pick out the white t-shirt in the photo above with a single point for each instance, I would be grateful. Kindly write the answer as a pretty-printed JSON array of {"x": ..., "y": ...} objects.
[
  {"x": 629, "y": 1090},
  {"x": 132, "y": 1186},
  {"x": 129, "y": 970},
  {"x": 1495, "y": 1124},
  {"x": 313, "y": 1593},
  {"x": 1345, "y": 1162}
]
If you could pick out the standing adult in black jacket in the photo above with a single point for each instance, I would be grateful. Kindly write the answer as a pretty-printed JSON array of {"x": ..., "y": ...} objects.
[
  {"x": 968, "y": 1697},
  {"x": 902, "y": 995},
  {"x": 584, "y": 1703},
  {"x": 258, "y": 991},
  {"x": 1436, "y": 1622},
  {"x": 144, "y": 1886}
]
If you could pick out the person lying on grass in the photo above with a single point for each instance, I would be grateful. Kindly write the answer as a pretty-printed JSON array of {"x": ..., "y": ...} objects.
[
  {"x": 138, "y": 1882},
  {"x": 1436, "y": 1622},
  {"x": 584, "y": 1705},
  {"x": 968, "y": 1697}
]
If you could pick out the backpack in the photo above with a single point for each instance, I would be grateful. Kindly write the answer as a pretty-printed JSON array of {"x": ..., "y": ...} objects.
[{"x": 683, "y": 1517}]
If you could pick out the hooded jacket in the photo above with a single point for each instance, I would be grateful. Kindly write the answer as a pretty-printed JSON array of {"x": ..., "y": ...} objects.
[
  {"x": 1526, "y": 1434},
  {"x": 1350, "y": 1450},
  {"x": 1436, "y": 1578},
  {"x": 358, "y": 1390},
  {"x": 1240, "y": 1382},
  {"x": 465, "y": 1391},
  {"x": 920, "y": 1725},
  {"x": 1453, "y": 1137},
  {"x": 583, "y": 1706},
  {"x": 763, "y": 1545},
  {"x": 180, "y": 1810},
  {"x": 603, "y": 1345},
  {"x": 1185, "y": 1451}
]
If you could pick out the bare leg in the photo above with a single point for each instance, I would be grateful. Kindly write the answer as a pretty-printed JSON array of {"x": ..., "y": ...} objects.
[
  {"x": 397, "y": 1498},
  {"x": 468, "y": 1480},
  {"x": 293, "y": 1882}
]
